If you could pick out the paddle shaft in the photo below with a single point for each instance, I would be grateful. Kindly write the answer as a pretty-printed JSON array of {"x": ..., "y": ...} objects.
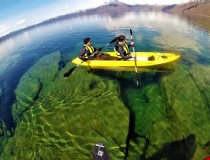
[
  {"x": 112, "y": 41},
  {"x": 106, "y": 45},
  {"x": 79, "y": 64},
  {"x": 137, "y": 81},
  {"x": 66, "y": 74},
  {"x": 135, "y": 60},
  {"x": 134, "y": 52}
]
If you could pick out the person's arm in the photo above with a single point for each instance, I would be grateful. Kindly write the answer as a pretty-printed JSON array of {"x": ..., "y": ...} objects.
[
  {"x": 82, "y": 53},
  {"x": 95, "y": 49}
]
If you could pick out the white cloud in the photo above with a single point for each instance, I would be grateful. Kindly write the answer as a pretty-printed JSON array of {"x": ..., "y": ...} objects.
[
  {"x": 20, "y": 22},
  {"x": 10, "y": 26},
  {"x": 3, "y": 28},
  {"x": 66, "y": 7}
]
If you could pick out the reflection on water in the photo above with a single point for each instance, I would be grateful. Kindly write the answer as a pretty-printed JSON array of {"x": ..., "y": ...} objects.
[
  {"x": 5, "y": 49},
  {"x": 168, "y": 40},
  {"x": 199, "y": 21},
  {"x": 173, "y": 32},
  {"x": 169, "y": 110}
]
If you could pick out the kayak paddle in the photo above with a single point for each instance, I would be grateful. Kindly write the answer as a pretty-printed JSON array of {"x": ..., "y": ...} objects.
[
  {"x": 66, "y": 74},
  {"x": 137, "y": 81}
]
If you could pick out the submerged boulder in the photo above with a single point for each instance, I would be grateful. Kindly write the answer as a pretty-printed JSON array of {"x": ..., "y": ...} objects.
[
  {"x": 63, "y": 118},
  {"x": 41, "y": 74},
  {"x": 171, "y": 118},
  {"x": 189, "y": 111}
]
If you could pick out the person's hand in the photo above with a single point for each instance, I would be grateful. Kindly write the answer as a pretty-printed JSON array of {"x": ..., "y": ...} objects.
[
  {"x": 99, "y": 49},
  {"x": 128, "y": 57},
  {"x": 132, "y": 44}
]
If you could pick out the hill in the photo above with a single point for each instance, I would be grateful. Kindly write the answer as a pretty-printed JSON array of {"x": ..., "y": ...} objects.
[
  {"x": 120, "y": 7},
  {"x": 199, "y": 8}
]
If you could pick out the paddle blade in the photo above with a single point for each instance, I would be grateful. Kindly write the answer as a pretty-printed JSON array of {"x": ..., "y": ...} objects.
[
  {"x": 137, "y": 80},
  {"x": 66, "y": 74},
  {"x": 131, "y": 32},
  {"x": 114, "y": 40}
]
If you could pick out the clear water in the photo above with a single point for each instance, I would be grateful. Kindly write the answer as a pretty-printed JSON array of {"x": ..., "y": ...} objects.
[{"x": 152, "y": 31}]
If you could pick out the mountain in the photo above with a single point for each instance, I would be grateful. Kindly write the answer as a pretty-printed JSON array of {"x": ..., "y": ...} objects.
[
  {"x": 111, "y": 6},
  {"x": 115, "y": 6},
  {"x": 113, "y": 2},
  {"x": 198, "y": 8}
]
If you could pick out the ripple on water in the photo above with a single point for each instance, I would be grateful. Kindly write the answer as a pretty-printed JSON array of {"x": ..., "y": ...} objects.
[{"x": 91, "y": 114}]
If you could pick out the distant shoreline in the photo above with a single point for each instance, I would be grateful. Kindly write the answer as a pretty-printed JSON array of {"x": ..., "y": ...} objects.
[{"x": 193, "y": 8}]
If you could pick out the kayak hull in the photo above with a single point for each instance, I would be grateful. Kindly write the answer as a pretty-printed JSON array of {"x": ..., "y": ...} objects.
[{"x": 159, "y": 62}]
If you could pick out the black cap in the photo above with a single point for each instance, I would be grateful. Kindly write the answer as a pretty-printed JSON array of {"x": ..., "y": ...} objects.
[
  {"x": 86, "y": 40},
  {"x": 121, "y": 38}
]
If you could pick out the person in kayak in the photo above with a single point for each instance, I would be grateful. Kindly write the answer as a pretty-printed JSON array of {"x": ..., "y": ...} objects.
[
  {"x": 122, "y": 49},
  {"x": 88, "y": 51}
]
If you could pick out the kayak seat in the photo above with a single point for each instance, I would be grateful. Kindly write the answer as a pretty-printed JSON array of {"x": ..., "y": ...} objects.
[
  {"x": 164, "y": 57},
  {"x": 151, "y": 58}
]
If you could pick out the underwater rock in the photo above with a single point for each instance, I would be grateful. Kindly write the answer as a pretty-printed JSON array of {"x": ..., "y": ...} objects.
[
  {"x": 3, "y": 135},
  {"x": 33, "y": 81},
  {"x": 188, "y": 104},
  {"x": 171, "y": 118},
  {"x": 149, "y": 120},
  {"x": 64, "y": 118},
  {"x": 201, "y": 76},
  {"x": 3, "y": 130}
]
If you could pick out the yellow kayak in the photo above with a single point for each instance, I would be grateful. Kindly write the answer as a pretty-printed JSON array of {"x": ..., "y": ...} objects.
[{"x": 145, "y": 61}]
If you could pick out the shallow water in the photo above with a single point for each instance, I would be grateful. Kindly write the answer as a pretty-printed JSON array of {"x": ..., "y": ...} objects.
[{"x": 157, "y": 109}]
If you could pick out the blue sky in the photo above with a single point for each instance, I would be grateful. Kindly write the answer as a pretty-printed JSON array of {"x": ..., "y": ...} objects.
[
  {"x": 17, "y": 14},
  {"x": 9, "y": 8}
]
